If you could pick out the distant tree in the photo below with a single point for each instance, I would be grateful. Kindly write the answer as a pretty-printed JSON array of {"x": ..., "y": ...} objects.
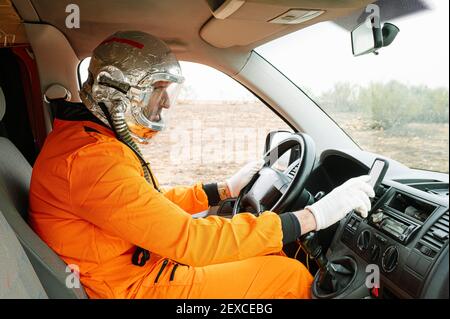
[
  {"x": 341, "y": 98},
  {"x": 436, "y": 106},
  {"x": 390, "y": 104}
]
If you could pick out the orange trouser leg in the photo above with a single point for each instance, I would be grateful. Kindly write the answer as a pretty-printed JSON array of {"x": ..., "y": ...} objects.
[{"x": 258, "y": 277}]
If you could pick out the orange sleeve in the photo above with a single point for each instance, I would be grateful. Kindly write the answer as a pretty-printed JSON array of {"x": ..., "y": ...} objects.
[
  {"x": 191, "y": 199},
  {"x": 107, "y": 188}
]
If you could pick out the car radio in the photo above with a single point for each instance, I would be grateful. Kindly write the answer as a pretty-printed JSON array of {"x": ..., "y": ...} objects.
[
  {"x": 401, "y": 216},
  {"x": 393, "y": 225}
]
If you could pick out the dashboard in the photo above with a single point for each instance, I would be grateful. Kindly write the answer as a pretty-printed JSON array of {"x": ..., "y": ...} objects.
[{"x": 406, "y": 234}]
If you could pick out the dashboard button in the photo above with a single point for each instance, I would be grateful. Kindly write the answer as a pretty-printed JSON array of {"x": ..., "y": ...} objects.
[
  {"x": 426, "y": 251},
  {"x": 350, "y": 223},
  {"x": 381, "y": 239}
]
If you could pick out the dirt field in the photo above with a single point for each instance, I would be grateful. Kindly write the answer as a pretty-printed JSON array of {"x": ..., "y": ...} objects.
[
  {"x": 417, "y": 145},
  {"x": 209, "y": 142}
]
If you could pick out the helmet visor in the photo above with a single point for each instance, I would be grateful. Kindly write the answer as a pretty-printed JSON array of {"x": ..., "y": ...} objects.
[
  {"x": 157, "y": 104},
  {"x": 149, "y": 109}
]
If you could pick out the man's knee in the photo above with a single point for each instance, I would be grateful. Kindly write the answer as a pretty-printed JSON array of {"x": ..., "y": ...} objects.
[
  {"x": 298, "y": 268},
  {"x": 289, "y": 267},
  {"x": 293, "y": 278}
]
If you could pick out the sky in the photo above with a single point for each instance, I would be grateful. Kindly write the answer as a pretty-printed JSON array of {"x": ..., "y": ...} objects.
[
  {"x": 212, "y": 85},
  {"x": 319, "y": 56},
  {"x": 203, "y": 82}
]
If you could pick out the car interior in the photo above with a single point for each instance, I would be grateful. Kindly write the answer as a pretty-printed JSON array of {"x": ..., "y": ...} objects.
[{"x": 406, "y": 233}]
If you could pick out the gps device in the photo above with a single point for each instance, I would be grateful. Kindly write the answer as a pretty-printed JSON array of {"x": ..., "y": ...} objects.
[{"x": 377, "y": 172}]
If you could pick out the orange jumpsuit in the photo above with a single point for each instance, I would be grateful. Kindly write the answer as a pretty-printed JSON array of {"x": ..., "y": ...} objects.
[{"x": 90, "y": 202}]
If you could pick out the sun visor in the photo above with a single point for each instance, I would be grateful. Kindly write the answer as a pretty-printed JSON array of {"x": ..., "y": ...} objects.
[{"x": 243, "y": 22}]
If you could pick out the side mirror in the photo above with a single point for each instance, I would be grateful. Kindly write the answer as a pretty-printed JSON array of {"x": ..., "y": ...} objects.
[
  {"x": 368, "y": 38},
  {"x": 272, "y": 140}
]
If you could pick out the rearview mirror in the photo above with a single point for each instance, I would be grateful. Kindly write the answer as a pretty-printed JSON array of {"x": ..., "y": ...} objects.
[{"x": 368, "y": 37}]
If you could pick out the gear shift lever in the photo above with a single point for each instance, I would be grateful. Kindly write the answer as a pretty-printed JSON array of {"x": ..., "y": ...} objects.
[
  {"x": 333, "y": 276},
  {"x": 311, "y": 246}
]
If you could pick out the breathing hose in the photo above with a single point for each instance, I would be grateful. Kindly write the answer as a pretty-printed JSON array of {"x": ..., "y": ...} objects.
[{"x": 120, "y": 128}]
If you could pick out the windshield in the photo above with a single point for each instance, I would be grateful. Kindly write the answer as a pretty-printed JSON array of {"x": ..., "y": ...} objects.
[{"x": 394, "y": 103}]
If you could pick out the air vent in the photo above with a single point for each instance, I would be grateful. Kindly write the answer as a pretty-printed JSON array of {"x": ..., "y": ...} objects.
[
  {"x": 436, "y": 237},
  {"x": 430, "y": 186},
  {"x": 441, "y": 192}
]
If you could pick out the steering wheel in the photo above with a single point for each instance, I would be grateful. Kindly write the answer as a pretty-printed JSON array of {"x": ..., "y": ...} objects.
[{"x": 274, "y": 190}]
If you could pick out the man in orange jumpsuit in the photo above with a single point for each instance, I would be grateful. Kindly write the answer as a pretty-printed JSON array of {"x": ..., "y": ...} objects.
[{"x": 95, "y": 202}]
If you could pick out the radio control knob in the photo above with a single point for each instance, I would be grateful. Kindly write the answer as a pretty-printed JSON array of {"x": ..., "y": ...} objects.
[
  {"x": 389, "y": 260},
  {"x": 363, "y": 240}
]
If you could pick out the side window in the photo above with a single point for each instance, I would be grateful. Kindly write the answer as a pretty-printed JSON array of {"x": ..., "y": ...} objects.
[{"x": 216, "y": 127}]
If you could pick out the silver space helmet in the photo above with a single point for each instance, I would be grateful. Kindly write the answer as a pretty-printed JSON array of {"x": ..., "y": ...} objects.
[{"x": 137, "y": 78}]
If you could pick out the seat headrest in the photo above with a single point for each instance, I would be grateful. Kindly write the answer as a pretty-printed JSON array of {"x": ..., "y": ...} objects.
[{"x": 2, "y": 104}]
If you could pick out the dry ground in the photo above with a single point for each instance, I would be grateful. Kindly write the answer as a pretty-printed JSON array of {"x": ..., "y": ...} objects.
[
  {"x": 417, "y": 145},
  {"x": 209, "y": 142}
]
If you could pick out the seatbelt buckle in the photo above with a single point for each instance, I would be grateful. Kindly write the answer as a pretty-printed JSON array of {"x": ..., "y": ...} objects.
[{"x": 140, "y": 256}]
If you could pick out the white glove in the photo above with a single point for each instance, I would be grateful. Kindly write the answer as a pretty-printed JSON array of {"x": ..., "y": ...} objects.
[
  {"x": 239, "y": 180},
  {"x": 352, "y": 195}
]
